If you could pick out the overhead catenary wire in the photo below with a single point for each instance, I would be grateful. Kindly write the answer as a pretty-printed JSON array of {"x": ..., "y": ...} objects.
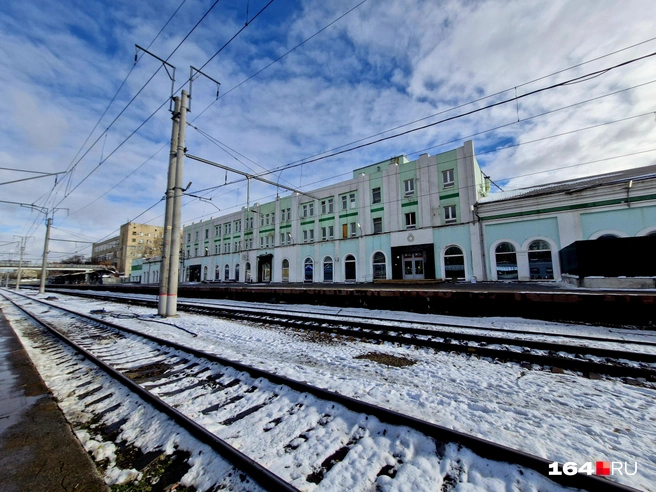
[
  {"x": 524, "y": 143},
  {"x": 167, "y": 100},
  {"x": 617, "y": 51},
  {"x": 468, "y": 113},
  {"x": 128, "y": 105},
  {"x": 71, "y": 166},
  {"x": 280, "y": 58},
  {"x": 306, "y": 162},
  {"x": 492, "y": 150}
]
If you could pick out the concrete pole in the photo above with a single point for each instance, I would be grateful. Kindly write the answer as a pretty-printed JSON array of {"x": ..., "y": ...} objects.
[
  {"x": 42, "y": 287},
  {"x": 174, "y": 266},
  {"x": 20, "y": 262},
  {"x": 168, "y": 214}
]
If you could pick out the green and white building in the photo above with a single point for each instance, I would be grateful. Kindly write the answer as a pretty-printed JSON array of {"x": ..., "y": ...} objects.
[{"x": 431, "y": 218}]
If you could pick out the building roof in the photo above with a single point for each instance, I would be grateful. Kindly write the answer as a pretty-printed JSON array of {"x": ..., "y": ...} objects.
[{"x": 574, "y": 185}]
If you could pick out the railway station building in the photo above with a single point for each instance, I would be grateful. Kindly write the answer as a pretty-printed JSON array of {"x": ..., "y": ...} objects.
[{"x": 431, "y": 218}]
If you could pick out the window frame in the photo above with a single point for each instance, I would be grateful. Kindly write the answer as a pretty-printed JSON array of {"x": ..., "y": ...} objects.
[{"x": 411, "y": 224}]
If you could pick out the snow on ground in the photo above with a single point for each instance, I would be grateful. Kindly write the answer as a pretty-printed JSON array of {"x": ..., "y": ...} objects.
[{"x": 560, "y": 417}]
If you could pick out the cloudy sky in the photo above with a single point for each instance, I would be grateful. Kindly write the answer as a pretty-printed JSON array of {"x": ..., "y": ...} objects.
[{"x": 351, "y": 71}]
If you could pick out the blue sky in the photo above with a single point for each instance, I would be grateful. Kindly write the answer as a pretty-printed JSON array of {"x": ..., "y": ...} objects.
[{"x": 385, "y": 64}]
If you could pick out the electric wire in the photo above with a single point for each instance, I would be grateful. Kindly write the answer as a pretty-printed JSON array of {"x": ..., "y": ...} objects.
[
  {"x": 520, "y": 86},
  {"x": 279, "y": 58},
  {"x": 128, "y": 105},
  {"x": 71, "y": 166},
  {"x": 121, "y": 87},
  {"x": 453, "y": 108},
  {"x": 468, "y": 113},
  {"x": 650, "y": 113},
  {"x": 167, "y": 100}
]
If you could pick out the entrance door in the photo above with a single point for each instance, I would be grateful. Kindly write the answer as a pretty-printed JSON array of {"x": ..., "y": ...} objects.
[
  {"x": 264, "y": 269},
  {"x": 194, "y": 273},
  {"x": 413, "y": 265}
]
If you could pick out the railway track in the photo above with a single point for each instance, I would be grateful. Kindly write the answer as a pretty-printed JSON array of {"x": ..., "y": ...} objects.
[
  {"x": 284, "y": 434},
  {"x": 635, "y": 367}
]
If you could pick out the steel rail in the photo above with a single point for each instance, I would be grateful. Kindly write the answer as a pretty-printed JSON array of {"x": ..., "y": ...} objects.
[
  {"x": 370, "y": 331},
  {"x": 267, "y": 479},
  {"x": 484, "y": 448}
]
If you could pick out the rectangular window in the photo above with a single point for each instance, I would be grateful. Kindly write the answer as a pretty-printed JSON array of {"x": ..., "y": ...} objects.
[
  {"x": 226, "y": 228},
  {"x": 216, "y": 249},
  {"x": 409, "y": 187},
  {"x": 311, "y": 235},
  {"x": 305, "y": 236},
  {"x": 344, "y": 202},
  {"x": 282, "y": 238},
  {"x": 207, "y": 233},
  {"x": 352, "y": 200},
  {"x": 305, "y": 210},
  {"x": 282, "y": 215},
  {"x": 216, "y": 230},
  {"x": 353, "y": 229},
  {"x": 195, "y": 251},
  {"x": 448, "y": 178},
  {"x": 237, "y": 225},
  {"x": 261, "y": 220},
  {"x": 228, "y": 246},
  {"x": 331, "y": 232},
  {"x": 410, "y": 220},
  {"x": 236, "y": 246},
  {"x": 378, "y": 225},
  {"x": 188, "y": 253},
  {"x": 289, "y": 214},
  {"x": 327, "y": 206},
  {"x": 450, "y": 214},
  {"x": 267, "y": 218},
  {"x": 273, "y": 217},
  {"x": 196, "y": 235},
  {"x": 189, "y": 237},
  {"x": 261, "y": 241},
  {"x": 375, "y": 195}
]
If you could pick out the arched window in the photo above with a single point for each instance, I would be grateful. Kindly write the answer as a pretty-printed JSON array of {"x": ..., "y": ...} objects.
[
  {"x": 237, "y": 272},
  {"x": 454, "y": 263},
  {"x": 506, "y": 262},
  {"x": 204, "y": 274},
  {"x": 226, "y": 274},
  {"x": 608, "y": 236},
  {"x": 285, "y": 270},
  {"x": 539, "y": 260},
  {"x": 379, "y": 266},
  {"x": 308, "y": 269},
  {"x": 217, "y": 273},
  {"x": 328, "y": 269},
  {"x": 247, "y": 277},
  {"x": 349, "y": 268}
]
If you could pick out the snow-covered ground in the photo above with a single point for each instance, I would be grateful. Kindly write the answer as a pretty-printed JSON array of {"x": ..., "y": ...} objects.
[{"x": 560, "y": 417}]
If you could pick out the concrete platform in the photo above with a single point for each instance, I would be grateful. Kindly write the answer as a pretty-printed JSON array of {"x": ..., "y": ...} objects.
[
  {"x": 553, "y": 301},
  {"x": 38, "y": 450}
]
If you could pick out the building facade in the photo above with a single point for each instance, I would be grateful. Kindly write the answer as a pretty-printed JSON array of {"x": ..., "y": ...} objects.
[
  {"x": 393, "y": 219},
  {"x": 432, "y": 218},
  {"x": 134, "y": 241},
  {"x": 523, "y": 230}
]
